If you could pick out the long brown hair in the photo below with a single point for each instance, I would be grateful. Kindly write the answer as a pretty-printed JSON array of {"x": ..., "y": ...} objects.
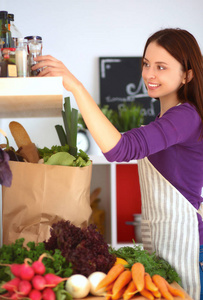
[{"x": 184, "y": 48}]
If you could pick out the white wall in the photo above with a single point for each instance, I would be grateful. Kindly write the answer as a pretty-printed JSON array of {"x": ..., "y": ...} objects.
[{"x": 79, "y": 31}]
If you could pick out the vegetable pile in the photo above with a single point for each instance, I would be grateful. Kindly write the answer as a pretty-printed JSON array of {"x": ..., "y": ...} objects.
[
  {"x": 121, "y": 282},
  {"x": 84, "y": 259},
  {"x": 31, "y": 281},
  {"x": 84, "y": 248}
]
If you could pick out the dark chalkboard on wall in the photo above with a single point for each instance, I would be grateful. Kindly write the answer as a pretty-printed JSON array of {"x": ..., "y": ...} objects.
[{"x": 121, "y": 82}]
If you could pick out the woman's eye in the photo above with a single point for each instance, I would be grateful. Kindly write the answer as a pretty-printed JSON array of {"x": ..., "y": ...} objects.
[
  {"x": 161, "y": 68},
  {"x": 145, "y": 64}
]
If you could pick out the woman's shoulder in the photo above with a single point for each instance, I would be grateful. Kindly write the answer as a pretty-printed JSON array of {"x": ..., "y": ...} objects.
[
  {"x": 185, "y": 119},
  {"x": 185, "y": 111}
]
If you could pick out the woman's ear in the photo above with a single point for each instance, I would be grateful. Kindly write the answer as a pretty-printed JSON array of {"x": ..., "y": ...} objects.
[{"x": 189, "y": 76}]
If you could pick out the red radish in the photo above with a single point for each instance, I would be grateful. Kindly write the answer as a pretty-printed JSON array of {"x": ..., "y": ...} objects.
[
  {"x": 15, "y": 268},
  {"x": 39, "y": 282},
  {"x": 38, "y": 265},
  {"x": 53, "y": 280},
  {"x": 48, "y": 294},
  {"x": 35, "y": 295},
  {"x": 15, "y": 297},
  {"x": 11, "y": 285},
  {"x": 26, "y": 271},
  {"x": 24, "y": 287},
  {"x": 6, "y": 296}
]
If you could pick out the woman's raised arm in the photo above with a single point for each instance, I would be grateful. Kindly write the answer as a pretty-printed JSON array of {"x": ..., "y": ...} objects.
[{"x": 102, "y": 130}]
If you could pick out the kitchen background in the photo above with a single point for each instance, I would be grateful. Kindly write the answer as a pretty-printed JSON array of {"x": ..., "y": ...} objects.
[{"x": 78, "y": 32}]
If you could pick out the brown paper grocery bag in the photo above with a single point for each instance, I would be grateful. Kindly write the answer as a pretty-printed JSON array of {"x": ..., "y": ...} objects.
[{"x": 41, "y": 195}]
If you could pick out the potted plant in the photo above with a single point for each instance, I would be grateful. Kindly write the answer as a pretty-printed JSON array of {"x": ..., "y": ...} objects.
[{"x": 125, "y": 118}]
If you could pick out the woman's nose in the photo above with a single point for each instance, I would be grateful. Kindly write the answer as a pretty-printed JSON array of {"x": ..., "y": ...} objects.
[{"x": 151, "y": 73}]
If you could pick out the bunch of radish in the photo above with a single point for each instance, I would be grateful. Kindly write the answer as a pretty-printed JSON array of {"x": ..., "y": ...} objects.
[{"x": 31, "y": 282}]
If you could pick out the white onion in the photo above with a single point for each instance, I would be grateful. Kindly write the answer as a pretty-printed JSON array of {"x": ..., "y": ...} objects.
[
  {"x": 78, "y": 286},
  {"x": 94, "y": 280}
]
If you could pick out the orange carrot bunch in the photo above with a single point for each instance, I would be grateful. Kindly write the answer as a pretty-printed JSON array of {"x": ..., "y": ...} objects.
[{"x": 122, "y": 283}]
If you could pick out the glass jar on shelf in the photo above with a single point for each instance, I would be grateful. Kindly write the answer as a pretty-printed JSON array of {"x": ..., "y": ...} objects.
[
  {"x": 8, "y": 64},
  {"x": 34, "y": 46},
  {"x": 21, "y": 58}
]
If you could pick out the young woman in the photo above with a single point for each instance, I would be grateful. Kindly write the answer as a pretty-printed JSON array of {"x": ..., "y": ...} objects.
[{"x": 169, "y": 150}]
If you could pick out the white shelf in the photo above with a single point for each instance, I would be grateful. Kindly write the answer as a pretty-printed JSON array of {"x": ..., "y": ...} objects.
[
  {"x": 101, "y": 160},
  {"x": 31, "y": 97}
]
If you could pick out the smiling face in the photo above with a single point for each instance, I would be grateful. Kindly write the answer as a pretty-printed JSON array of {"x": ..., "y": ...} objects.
[{"x": 162, "y": 74}]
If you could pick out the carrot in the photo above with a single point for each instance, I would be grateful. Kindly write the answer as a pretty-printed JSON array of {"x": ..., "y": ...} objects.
[
  {"x": 108, "y": 295},
  {"x": 119, "y": 294},
  {"x": 138, "y": 272},
  {"x": 147, "y": 294},
  {"x": 130, "y": 291},
  {"x": 175, "y": 292},
  {"x": 156, "y": 294},
  {"x": 123, "y": 279},
  {"x": 109, "y": 291},
  {"x": 113, "y": 273},
  {"x": 110, "y": 286},
  {"x": 161, "y": 284},
  {"x": 149, "y": 285}
]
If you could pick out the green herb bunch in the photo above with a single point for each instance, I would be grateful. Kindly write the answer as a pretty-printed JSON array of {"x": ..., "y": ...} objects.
[{"x": 152, "y": 263}]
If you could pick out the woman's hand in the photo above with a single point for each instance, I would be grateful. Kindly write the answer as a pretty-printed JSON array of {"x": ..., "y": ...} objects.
[{"x": 52, "y": 67}]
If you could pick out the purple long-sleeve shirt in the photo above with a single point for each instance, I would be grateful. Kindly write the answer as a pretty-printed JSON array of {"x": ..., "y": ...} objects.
[{"x": 173, "y": 144}]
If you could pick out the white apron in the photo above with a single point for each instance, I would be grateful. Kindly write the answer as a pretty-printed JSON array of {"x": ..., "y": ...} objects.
[{"x": 170, "y": 226}]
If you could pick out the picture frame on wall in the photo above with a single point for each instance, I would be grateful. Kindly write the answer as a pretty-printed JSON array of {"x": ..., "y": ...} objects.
[{"x": 121, "y": 82}]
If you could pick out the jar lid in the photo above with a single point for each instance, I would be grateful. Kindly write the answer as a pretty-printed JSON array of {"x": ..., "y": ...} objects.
[
  {"x": 11, "y": 49},
  {"x": 31, "y": 37},
  {"x": 11, "y": 17},
  {"x": 3, "y": 14},
  {"x": 7, "y": 50}
]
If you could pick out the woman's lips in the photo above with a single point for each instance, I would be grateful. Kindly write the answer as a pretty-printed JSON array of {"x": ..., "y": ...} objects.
[{"x": 153, "y": 86}]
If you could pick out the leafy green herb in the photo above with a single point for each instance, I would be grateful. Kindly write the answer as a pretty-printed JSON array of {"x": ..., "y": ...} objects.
[
  {"x": 152, "y": 263},
  {"x": 16, "y": 253},
  {"x": 126, "y": 117},
  {"x": 61, "y": 293}
]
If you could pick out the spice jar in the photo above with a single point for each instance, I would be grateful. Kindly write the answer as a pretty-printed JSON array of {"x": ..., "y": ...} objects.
[{"x": 21, "y": 58}]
